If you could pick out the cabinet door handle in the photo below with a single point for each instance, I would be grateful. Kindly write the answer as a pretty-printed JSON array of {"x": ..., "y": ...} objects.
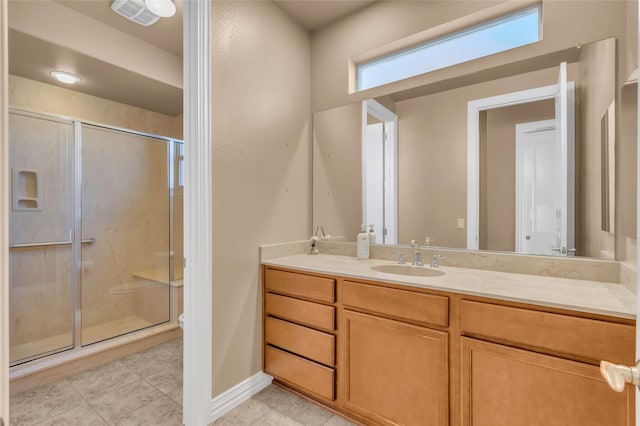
[{"x": 618, "y": 375}]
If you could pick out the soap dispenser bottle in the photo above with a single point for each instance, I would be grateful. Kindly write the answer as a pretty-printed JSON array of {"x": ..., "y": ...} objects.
[
  {"x": 372, "y": 235},
  {"x": 363, "y": 243}
]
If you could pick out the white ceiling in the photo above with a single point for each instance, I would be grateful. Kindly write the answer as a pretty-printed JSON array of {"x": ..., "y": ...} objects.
[{"x": 32, "y": 54}]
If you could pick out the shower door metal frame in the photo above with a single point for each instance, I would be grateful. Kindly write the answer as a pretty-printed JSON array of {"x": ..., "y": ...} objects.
[{"x": 77, "y": 235}]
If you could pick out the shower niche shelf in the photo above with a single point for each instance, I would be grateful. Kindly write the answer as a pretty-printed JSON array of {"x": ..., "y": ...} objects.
[{"x": 26, "y": 190}]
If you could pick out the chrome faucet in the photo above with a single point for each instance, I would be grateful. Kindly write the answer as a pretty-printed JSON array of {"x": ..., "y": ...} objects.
[
  {"x": 417, "y": 258},
  {"x": 434, "y": 260}
]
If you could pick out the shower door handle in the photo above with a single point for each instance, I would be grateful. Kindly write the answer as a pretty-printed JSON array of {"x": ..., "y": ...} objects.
[{"x": 90, "y": 240}]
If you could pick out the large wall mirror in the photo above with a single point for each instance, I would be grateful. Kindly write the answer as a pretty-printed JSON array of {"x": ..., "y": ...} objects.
[{"x": 432, "y": 165}]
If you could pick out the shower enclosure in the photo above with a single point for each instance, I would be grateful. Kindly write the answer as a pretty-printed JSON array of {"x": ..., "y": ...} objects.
[{"x": 94, "y": 210}]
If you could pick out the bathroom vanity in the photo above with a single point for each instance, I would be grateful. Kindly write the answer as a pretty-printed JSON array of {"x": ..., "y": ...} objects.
[{"x": 470, "y": 347}]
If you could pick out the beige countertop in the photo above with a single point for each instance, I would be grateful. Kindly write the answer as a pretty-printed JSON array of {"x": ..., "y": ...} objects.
[{"x": 595, "y": 297}]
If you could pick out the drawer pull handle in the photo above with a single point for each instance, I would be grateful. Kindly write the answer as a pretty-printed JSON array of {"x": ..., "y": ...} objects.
[{"x": 618, "y": 375}]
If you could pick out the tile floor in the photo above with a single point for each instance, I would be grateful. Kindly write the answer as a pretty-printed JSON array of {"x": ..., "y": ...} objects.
[
  {"x": 146, "y": 389},
  {"x": 275, "y": 406}
]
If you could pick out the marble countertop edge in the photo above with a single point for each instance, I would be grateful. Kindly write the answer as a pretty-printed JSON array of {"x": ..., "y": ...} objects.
[{"x": 595, "y": 297}]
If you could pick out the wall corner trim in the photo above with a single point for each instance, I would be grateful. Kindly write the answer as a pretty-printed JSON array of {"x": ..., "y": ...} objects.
[
  {"x": 198, "y": 274},
  {"x": 230, "y": 399}
]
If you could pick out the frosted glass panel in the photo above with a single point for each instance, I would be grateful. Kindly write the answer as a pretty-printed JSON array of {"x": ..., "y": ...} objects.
[
  {"x": 40, "y": 220},
  {"x": 487, "y": 39},
  {"x": 126, "y": 208}
]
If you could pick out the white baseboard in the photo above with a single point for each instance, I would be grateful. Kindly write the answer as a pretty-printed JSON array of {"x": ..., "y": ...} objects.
[{"x": 238, "y": 394}]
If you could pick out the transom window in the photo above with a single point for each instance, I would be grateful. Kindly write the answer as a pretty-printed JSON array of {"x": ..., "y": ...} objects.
[{"x": 507, "y": 32}]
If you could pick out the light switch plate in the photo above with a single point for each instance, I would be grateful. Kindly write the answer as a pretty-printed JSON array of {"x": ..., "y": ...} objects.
[{"x": 460, "y": 223}]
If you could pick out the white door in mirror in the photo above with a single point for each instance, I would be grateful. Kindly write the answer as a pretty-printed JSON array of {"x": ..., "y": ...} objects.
[
  {"x": 538, "y": 205},
  {"x": 617, "y": 376}
]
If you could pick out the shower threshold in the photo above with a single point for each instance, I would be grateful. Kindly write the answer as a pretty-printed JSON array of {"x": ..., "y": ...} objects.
[
  {"x": 50, "y": 368},
  {"x": 90, "y": 335}
]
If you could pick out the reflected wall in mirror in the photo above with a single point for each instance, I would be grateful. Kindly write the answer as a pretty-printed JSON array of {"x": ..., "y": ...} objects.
[
  {"x": 432, "y": 157},
  {"x": 608, "y": 167}
]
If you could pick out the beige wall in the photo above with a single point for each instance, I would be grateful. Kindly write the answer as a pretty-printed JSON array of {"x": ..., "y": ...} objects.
[
  {"x": 631, "y": 38},
  {"x": 261, "y": 152},
  {"x": 566, "y": 24},
  {"x": 626, "y": 144},
  {"x": 337, "y": 170},
  {"x": 378, "y": 24},
  {"x": 498, "y": 172},
  {"x": 596, "y": 94},
  {"x": 626, "y": 169}
]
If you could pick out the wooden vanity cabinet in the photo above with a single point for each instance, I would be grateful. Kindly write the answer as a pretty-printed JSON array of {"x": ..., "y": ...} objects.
[
  {"x": 506, "y": 386},
  {"x": 393, "y": 372},
  {"x": 528, "y": 367},
  {"x": 385, "y": 354},
  {"x": 299, "y": 331}
]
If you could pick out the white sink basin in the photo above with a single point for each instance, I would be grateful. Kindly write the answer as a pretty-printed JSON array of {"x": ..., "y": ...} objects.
[{"x": 415, "y": 271}]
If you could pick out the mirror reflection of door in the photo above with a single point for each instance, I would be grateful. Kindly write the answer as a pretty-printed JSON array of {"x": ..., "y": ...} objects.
[
  {"x": 537, "y": 207},
  {"x": 379, "y": 171},
  {"x": 522, "y": 199}
]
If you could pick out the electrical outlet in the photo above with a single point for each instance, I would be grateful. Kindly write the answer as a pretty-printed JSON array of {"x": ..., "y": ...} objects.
[{"x": 460, "y": 223}]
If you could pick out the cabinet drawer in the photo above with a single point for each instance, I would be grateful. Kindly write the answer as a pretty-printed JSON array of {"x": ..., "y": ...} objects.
[
  {"x": 300, "y": 372},
  {"x": 307, "y": 286},
  {"x": 309, "y": 313},
  {"x": 585, "y": 338},
  {"x": 401, "y": 304},
  {"x": 300, "y": 340}
]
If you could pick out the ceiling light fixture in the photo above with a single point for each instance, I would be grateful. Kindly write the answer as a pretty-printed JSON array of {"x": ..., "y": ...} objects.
[
  {"x": 65, "y": 77},
  {"x": 162, "y": 8}
]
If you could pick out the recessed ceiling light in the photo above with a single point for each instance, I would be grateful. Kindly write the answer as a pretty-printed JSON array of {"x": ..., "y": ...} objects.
[
  {"x": 162, "y": 8},
  {"x": 65, "y": 77}
]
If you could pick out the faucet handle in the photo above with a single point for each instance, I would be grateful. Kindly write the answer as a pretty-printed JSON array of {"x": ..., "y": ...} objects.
[
  {"x": 413, "y": 243},
  {"x": 400, "y": 257},
  {"x": 429, "y": 240},
  {"x": 435, "y": 258}
]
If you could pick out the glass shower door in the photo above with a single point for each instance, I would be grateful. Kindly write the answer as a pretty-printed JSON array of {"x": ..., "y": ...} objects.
[
  {"x": 126, "y": 208},
  {"x": 41, "y": 318}
]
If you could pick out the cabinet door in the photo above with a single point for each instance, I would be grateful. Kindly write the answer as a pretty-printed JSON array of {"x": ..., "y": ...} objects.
[
  {"x": 503, "y": 386},
  {"x": 394, "y": 373}
]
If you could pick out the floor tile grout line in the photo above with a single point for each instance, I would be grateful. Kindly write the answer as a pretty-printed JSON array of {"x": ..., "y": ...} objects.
[
  {"x": 160, "y": 390},
  {"x": 105, "y": 421},
  {"x": 145, "y": 405}
]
